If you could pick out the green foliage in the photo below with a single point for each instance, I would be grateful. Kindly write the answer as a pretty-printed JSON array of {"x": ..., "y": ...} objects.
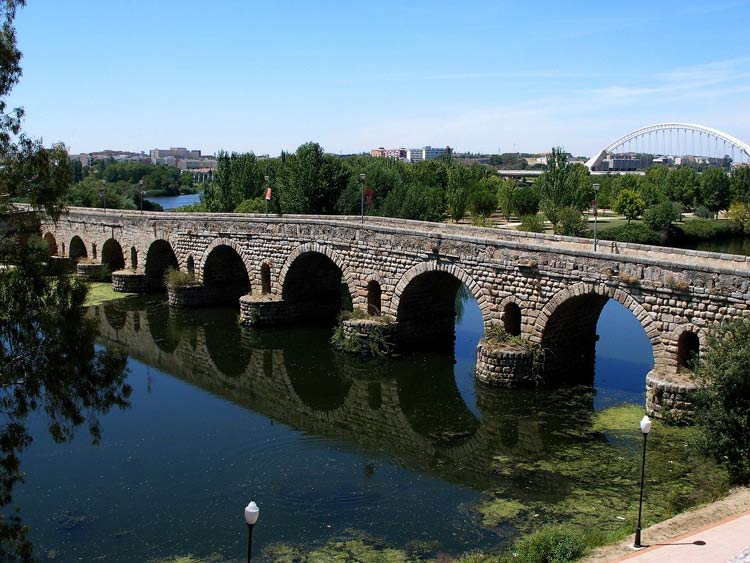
[
  {"x": 571, "y": 223},
  {"x": 506, "y": 190},
  {"x": 255, "y": 205},
  {"x": 532, "y": 223},
  {"x": 414, "y": 201},
  {"x": 741, "y": 184},
  {"x": 630, "y": 204},
  {"x": 525, "y": 201},
  {"x": 562, "y": 186},
  {"x": 551, "y": 544},
  {"x": 660, "y": 217},
  {"x": 705, "y": 229},
  {"x": 238, "y": 177},
  {"x": 457, "y": 194},
  {"x": 723, "y": 403},
  {"x": 632, "y": 232},
  {"x": 496, "y": 336},
  {"x": 703, "y": 212},
  {"x": 177, "y": 278},
  {"x": 376, "y": 344},
  {"x": 483, "y": 198},
  {"x": 682, "y": 185},
  {"x": 714, "y": 189},
  {"x": 739, "y": 215}
]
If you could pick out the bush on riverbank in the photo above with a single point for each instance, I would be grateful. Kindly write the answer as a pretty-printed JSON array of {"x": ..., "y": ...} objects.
[
  {"x": 176, "y": 278},
  {"x": 632, "y": 232}
]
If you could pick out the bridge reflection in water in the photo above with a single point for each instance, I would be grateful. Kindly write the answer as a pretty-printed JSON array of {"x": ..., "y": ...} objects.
[{"x": 417, "y": 416}]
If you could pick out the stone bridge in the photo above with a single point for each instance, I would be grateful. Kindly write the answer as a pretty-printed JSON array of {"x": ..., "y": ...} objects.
[{"x": 550, "y": 289}]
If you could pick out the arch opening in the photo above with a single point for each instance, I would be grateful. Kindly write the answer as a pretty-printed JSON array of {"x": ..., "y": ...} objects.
[
  {"x": 112, "y": 255},
  {"x": 592, "y": 340},
  {"x": 314, "y": 288},
  {"x": 512, "y": 319},
  {"x": 265, "y": 279},
  {"x": 374, "y": 295},
  {"x": 426, "y": 312},
  {"x": 133, "y": 258},
  {"x": 688, "y": 350},
  {"x": 191, "y": 265},
  {"x": 49, "y": 238},
  {"x": 159, "y": 258},
  {"x": 77, "y": 248},
  {"x": 225, "y": 275}
]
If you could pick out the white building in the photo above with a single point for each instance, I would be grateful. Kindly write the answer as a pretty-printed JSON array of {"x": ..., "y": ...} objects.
[{"x": 426, "y": 153}]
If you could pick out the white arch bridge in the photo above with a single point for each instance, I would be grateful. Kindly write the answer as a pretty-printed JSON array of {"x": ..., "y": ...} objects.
[{"x": 677, "y": 143}]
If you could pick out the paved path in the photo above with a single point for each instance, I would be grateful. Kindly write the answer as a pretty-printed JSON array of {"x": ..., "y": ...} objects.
[{"x": 727, "y": 541}]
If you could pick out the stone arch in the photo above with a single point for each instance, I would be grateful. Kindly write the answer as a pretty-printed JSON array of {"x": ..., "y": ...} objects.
[
  {"x": 265, "y": 278},
  {"x": 681, "y": 342},
  {"x": 310, "y": 282},
  {"x": 77, "y": 248},
  {"x": 326, "y": 251},
  {"x": 575, "y": 311},
  {"x": 511, "y": 304},
  {"x": 49, "y": 238},
  {"x": 225, "y": 274},
  {"x": 159, "y": 258},
  {"x": 424, "y": 303},
  {"x": 133, "y": 258},
  {"x": 112, "y": 255},
  {"x": 222, "y": 242},
  {"x": 688, "y": 350},
  {"x": 374, "y": 298}
]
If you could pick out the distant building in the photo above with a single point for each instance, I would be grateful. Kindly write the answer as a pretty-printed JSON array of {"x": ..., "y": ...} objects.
[
  {"x": 426, "y": 153},
  {"x": 182, "y": 158},
  {"x": 395, "y": 154},
  {"x": 88, "y": 158}
]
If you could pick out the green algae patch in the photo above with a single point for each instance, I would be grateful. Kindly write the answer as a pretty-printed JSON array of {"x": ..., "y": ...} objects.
[
  {"x": 590, "y": 476},
  {"x": 101, "y": 292},
  {"x": 335, "y": 551}
]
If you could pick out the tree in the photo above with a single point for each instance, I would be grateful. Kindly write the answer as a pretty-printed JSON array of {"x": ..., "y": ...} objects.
[
  {"x": 457, "y": 194},
  {"x": 660, "y": 217},
  {"x": 630, "y": 204},
  {"x": 682, "y": 185},
  {"x": 571, "y": 223},
  {"x": 505, "y": 191},
  {"x": 526, "y": 201},
  {"x": 482, "y": 200},
  {"x": 558, "y": 187},
  {"x": 722, "y": 406},
  {"x": 714, "y": 189},
  {"x": 741, "y": 184}
]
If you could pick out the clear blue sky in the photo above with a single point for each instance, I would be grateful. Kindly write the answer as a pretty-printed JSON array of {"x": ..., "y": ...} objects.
[{"x": 479, "y": 76}]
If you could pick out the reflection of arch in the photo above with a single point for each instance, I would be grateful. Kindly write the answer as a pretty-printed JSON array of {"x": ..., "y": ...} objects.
[
  {"x": 225, "y": 273},
  {"x": 476, "y": 291},
  {"x": 223, "y": 337},
  {"x": 49, "y": 238},
  {"x": 133, "y": 258},
  {"x": 112, "y": 255},
  {"x": 373, "y": 298},
  {"x": 116, "y": 315},
  {"x": 265, "y": 278},
  {"x": 566, "y": 329},
  {"x": 312, "y": 284},
  {"x": 164, "y": 330},
  {"x": 320, "y": 249},
  {"x": 159, "y": 258},
  {"x": 688, "y": 350},
  {"x": 77, "y": 248}
]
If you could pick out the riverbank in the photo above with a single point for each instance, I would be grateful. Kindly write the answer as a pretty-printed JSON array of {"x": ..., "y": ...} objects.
[{"x": 737, "y": 502}]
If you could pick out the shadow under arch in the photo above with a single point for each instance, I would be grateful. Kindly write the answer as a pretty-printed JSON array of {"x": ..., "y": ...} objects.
[
  {"x": 225, "y": 274},
  {"x": 568, "y": 331},
  {"x": 160, "y": 257},
  {"x": 112, "y": 255},
  {"x": 227, "y": 348},
  {"x": 51, "y": 241},
  {"x": 424, "y": 303},
  {"x": 315, "y": 287},
  {"x": 77, "y": 248}
]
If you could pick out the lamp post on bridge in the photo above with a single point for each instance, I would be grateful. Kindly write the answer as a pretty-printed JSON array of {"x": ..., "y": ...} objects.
[
  {"x": 596, "y": 213},
  {"x": 103, "y": 194},
  {"x": 141, "y": 192},
  {"x": 268, "y": 191},
  {"x": 251, "y": 517},
  {"x": 645, "y": 429},
  {"x": 362, "y": 201}
]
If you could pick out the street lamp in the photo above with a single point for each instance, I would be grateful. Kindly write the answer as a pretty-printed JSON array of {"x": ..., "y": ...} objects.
[
  {"x": 251, "y": 517},
  {"x": 362, "y": 201},
  {"x": 141, "y": 193},
  {"x": 645, "y": 429},
  {"x": 596, "y": 212},
  {"x": 103, "y": 194},
  {"x": 268, "y": 187}
]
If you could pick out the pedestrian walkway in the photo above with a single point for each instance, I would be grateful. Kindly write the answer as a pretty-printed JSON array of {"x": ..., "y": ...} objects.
[{"x": 727, "y": 541}]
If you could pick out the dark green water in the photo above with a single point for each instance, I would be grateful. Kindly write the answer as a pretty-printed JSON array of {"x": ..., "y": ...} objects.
[
  {"x": 728, "y": 245},
  {"x": 329, "y": 445}
]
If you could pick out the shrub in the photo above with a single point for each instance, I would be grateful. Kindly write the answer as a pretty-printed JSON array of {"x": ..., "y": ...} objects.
[
  {"x": 630, "y": 203},
  {"x": 497, "y": 336},
  {"x": 739, "y": 215},
  {"x": 633, "y": 232},
  {"x": 176, "y": 278},
  {"x": 704, "y": 229},
  {"x": 482, "y": 203},
  {"x": 525, "y": 201},
  {"x": 722, "y": 406},
  {"x": 551, "y": 544},
  {"x": 255, "y": 205},
  {"x": 532, "y": 223},
  {"x": 704, "y": 212},
  {"x": 571, "y": 223},
  {"x": 660, "y": 216}
]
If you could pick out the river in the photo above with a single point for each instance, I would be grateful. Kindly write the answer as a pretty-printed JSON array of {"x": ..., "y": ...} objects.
[
  {"x": 403, "y": 451},
  {"x": 169, "y": 203}
]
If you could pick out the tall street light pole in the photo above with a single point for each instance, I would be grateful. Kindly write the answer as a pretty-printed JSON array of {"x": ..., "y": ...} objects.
[
  {"x": 645, "y": 429},
  {"x": 268, "y": 187},
  {"x": 362, "y": 200},
  {"x": 251, "y": 517},
  {"x": 103, "y": 194},
  {"x": 141, "y": 193},
  {"x": 596, "y": 213}
]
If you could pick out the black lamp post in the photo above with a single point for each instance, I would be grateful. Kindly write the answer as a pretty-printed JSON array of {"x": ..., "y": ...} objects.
[
  {"x": 251, "y": 517},
  {"x": 645, "y": 429},
  {"x": 103, "y": 194},
  {"x": 362, "y": 201},
  {"x": 596, "y": 212},
  {"x": 268, "y": 187},
  {"x": 141, "y": 193}
]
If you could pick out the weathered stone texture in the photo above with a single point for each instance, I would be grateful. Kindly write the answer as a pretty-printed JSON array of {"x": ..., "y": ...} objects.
[{"x": 506, "y": 366}]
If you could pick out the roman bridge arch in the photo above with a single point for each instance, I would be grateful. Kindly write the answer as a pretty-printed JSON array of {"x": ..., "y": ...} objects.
[{"x": 565, "y": 328}]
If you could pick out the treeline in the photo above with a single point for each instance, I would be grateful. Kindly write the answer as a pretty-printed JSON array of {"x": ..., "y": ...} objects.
[{"x": 120, "y": 184}]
